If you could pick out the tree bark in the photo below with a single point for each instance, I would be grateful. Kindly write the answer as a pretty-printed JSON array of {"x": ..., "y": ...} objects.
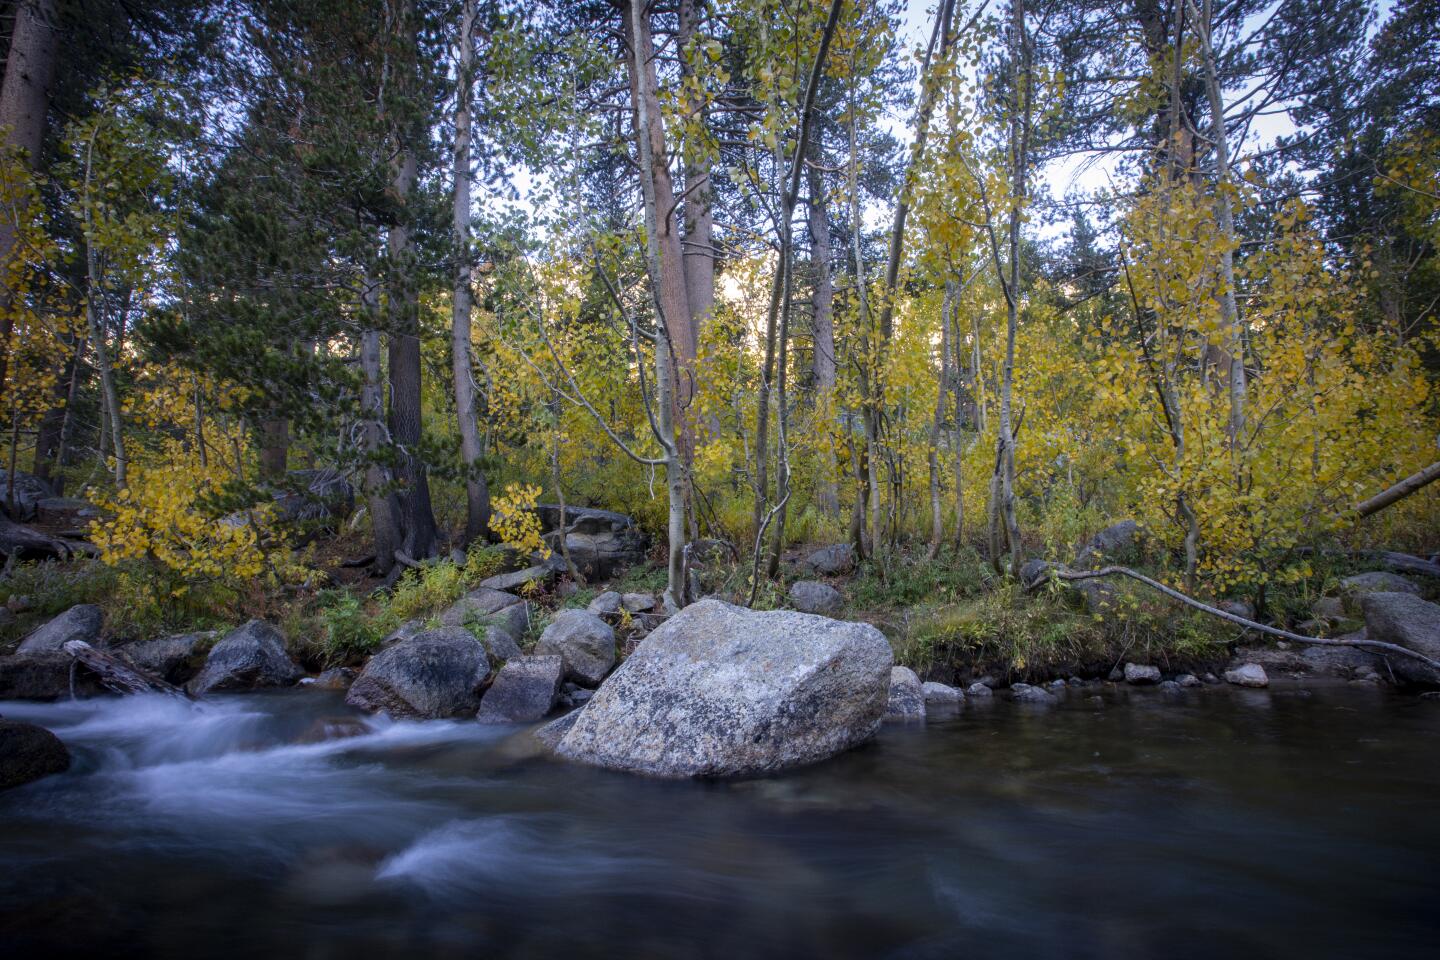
[
  {"x": 477, "y": 494},
  {"x": 1416, "y": 481},
  {"x": 95, "y": 323},
  {"x": 274, "y": 448},
  {"x": 699, "y": 241},
  {"x": 822, "y": 364},
  {"x": 24, "y": 106}
]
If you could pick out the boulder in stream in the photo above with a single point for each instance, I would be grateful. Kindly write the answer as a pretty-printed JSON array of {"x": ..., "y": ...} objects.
[
  {"x": 524, "y": 691},
  {"x": 249, "y": 656},
  {"x": 1406, "y": 621},
  {"x": 433, "y": 675},
  {"x": 175, "y": 659},
  {"x": 81, "y": 622},
  {"x": 28, "y": 752},
  {"x": 723, "y": 691},
  {"x": 907, "y": 696},
  {"x": 1247, "y": 675},
  {"x": 1141, "y": 673}
]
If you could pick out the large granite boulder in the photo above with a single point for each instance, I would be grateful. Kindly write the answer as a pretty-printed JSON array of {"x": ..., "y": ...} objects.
[
  {"x": 583, "y": 641},
  {"x": 175, "y": 659},
  {"x": 80, "y": 622},
  {"x": 1354, "y": 588},
  {"x": 812, "y": 596},
  {"x": 524, "y": 691},
  {"x": 600, "y": 542},
  {"x": 484, "y": 607},
  {"x": 1117, "y": 543},
  {"x": 907, "y": 697},
  {"x": 1407, "y": 621},
  {"x": 249, "y": 656},
  {"x": 28, "y": 752},
  {"x": 44, "y": 676},
  {"x": 831, "y": 561},
  {"x": 722, "y": 691},
  {"x": 29, "y": 491},
  {"x": 432, "y": 675}
]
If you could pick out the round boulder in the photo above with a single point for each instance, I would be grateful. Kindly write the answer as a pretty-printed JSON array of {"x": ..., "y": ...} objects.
[
  {"x": 432, "y": 675},
  {"x": 1247, "y": 675},
  {"x": 583, "y": 641},
  {"x": 812, "y": 596},
  {"x": 1141, "y": 673},
  {"x": 28, "y": 752},
  {"x": 249, "y": 656}
]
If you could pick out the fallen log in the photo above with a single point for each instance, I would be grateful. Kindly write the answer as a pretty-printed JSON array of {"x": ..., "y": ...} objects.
[
  {"x": 117, "y": 675},
  {"x": 1174, "y": 594},
  {"x": 26, "y": 543},
  {"x": 1391, "y": 560}
]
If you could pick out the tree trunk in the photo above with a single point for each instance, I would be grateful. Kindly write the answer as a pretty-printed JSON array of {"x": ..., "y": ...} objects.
[
  {"x": 95, "y": 324},
  {"x": 937, "y": 519},
  {"x": 24, "y": 105},
  {"x": 477, "y": 494},
  {"x": 699, "y": 243},
  {"x": 274, "y": 448},
  {"x": 822, "y": 364},
  {"x": 379, "y": 492}
]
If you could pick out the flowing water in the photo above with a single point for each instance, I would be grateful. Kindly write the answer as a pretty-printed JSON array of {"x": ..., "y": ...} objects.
[{"x": 1224, "y": 823}]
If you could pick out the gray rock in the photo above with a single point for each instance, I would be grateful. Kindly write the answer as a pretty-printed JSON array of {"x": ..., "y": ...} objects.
[
  {"x": 336, "y": 678},
  {"x": 1035, "y": 571},
  {"x": 1169, "y": 686},
  {"x": 941, "y": 696},
  {"x": 1117, "y": 543},
  {"x": 1328, "y": 608},
  {"x": 607, "y": 604},
  {"x": 405, "y": 631},
  {"x": 1407, "y": 621},
  {"x": 1056, "y": 684},
  {"x": 1188, "y": 680},
  {"x": 553, "y": 732},
  {"x": 28, "y": 752},
  {"x": 486, "y": 607},
  {"x": 1096, "y": 596},
  {"x": 1116, "y": 675},
  {"x": 499, "y": 643},
  {"x": 1141, "y": 673},
  {"x": 80, "y": 622},
  {"x": 517, "y": 579},
  {"x": 524, "y": 691},
  {"x": 29, "y": 491},
  {"x": 722, "y": 691},
  {"x": 1238, "y": 608},
  {"x": 638, "y": 602},
  {"x": 43, "y": 676},
  {"x": 573, "y": 695},
  {"x": 1025, "y": 693},
  {"x": 600, "y": 542},
  {"x": 833, "y": 560},
  {"x": 584, "y": 641},
  {"x": 249, "y": 656},
  {"x": 980, "y": 690},
  {"x": 1247, "y": 675},
  {"x": 1347, "y": 663},
  {"x": 175, "y": 658},
  {"x": 907, "y": 697},
  {"x": 812, "y": 596},
  {"x": 430, "y": 676},
  {"x": 1377, "y": 581}
]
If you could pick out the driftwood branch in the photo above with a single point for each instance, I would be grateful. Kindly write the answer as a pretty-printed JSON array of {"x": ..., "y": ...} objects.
[
  {"x": 1399, "y": 491},
  {"x": 117, "y": 675},
  {"x": 1174, "y": 594}
]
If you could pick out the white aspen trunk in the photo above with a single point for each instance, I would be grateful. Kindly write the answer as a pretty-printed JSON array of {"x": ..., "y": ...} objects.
[{"x": 95, "y": 324}]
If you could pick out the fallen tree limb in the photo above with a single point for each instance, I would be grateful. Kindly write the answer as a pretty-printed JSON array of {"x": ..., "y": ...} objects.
[
  {"x": 27, "y": 543},
  {"x": 1174, "y": 594},
  {"x": 1399, "y": 491},
  {"x": 1389, "y": 559},
  {"x": 117, "y": 675}
]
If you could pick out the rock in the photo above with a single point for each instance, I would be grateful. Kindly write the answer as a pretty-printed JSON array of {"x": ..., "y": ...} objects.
[
  {"x": 1116, "y": 675},
  {"x": 907, "y": 696},
  {"x": 1141, "y": 673},
  {"x": 1033, "y": 572},
  {"x": 1210, "y": 678},
  {"x": 334, "y": 728},
  {"x": 1407, "y": 621},
  {"x": 336, "y": 678},
  {"x": 722, "y": 691},
  {"x": 249, "y": 656},
  {"x": 433, "y": 675},
  {"x": 585, "y": 643},
  {"x": 1117, "y": 543},
  {"x": 832, "y": 561},
  {"x": 405, "y": 631},
  {"x": 978, "y": 689},
  {"x": 1188, "y": 680},
  {"x": 638, "y": 602},
  {"x": 43, "y": 676},
  {"x": 499, "y": 644},
  {"x": 175, "y": 659},
  {"x": 1056, "y": 684},
  {"x": 553, "y": 732},
  {"x": 573, "y": 695},
  {"x": 1238, "y": 608},
  {"x": 29, "y": 491},
  {"x": 1347, "y": 663},
  {"x": 812, "y": 596},
  {"x": 600, "y": 542},
  {"x": 28, "y": 752},
  {"x": 80, "y": 622},
  {"x": 1377, "y": 581},
  {"x": 524, "y": 691},
  {"x": 1169, "y": 686},
  {"x": 1248, "y": 675},
  {"x": 1328, "y": 608},
  {"x": 519, "y": 579},
  {"x": 940, "y": 696},
  {"x": 1096, "y": 596},
  {"x": 607, "y": 604},
  {"x": 486, "y": 607},
  {"x": 1025, "y": 693},
  {"x": 566, "y": 589},
  {"x": 65, "y": 507}
]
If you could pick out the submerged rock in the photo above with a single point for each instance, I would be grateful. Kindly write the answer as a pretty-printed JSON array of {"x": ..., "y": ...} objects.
[
  {"x": 1025, "y": 693},
  {"x": 1141, "y": 673},
  {"x": 28, "y": 752},
  {"x": 80, "y": 622},
  {"x": 1407, "y": 621},
  {"x": 722, "y": 691},
  {"x": 812, "y": 596},
  {"x": 524, "y": 691},
  {"x": 1247, "y": 675},
  {"x": 433, "y": 675},
  {"x": 249, "y": 656},
  {"x": 583, "y": 641},
  {"x": 907, "y": 696}
]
